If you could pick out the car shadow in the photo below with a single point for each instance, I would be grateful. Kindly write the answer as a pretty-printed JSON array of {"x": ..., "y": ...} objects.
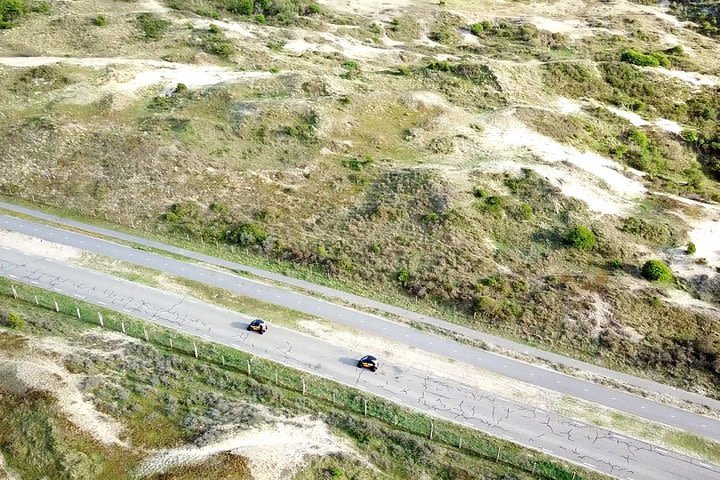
[
  {"x": 349, "y": 361},
  {"x": 242, "y": 325}
]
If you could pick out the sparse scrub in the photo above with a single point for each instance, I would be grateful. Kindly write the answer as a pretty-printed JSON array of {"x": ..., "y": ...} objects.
[
  {"x": 691, "y": 248},
  {"x": 656, "y": 271},
  {"x": 100, "y": 21}
]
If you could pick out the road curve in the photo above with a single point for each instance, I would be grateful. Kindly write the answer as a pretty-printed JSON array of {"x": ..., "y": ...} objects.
[
  {"x": 503, "y": 343},
  {"x": 583, "y": 444}
]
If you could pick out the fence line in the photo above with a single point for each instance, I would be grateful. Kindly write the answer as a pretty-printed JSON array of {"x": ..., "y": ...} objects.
[{"x": 336, "y": 395}]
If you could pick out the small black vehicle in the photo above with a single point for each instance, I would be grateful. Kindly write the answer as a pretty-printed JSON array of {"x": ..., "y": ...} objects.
[
  {"x": 369, "y": 362},
  {"x": 258, "y": 325}
]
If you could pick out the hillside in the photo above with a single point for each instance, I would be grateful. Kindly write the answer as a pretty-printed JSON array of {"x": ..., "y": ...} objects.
[{"x": 510, "y": 165}]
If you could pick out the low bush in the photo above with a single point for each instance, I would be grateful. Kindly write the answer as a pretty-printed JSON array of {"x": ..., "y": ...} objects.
[
  {"x": 656, "y": 271},
  {"x": 691, "y": 248},
  {"x": 581, "y": 237},
  {"x": 100, "y": 21}
]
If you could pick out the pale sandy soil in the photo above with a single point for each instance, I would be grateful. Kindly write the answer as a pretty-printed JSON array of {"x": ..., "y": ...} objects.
[
  {"x": 34, "y": 370},
  {"x": 274, "y": 452},
  {"x": 37, "y": 246}
]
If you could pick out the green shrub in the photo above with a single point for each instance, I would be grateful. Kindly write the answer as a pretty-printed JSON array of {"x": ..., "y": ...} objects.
[
  {"x": 403, "y": 70},
  {"x": 313, "y": 8},
  {"x": 100, "y": 21},
  {"x": 246, "y": 235},
  {"x": 689, "y": 136},
  {"x": 656, "y": 271},
  {"x": 691, "y": 248},
  {"x": 662, "y": 59},
  {"x": 444, "y": 35},
  {"x": 260, "y": 18},
  {"x": 581, "y": 237},
  {"x": 14, "y": 320},
  {"x": 638, "y": 58},
  {"x": 430, "y": 218},
  {"x": 351, "y": 65},
  {"x": 479, "y": 192},
  {"x": 476, "y": 28},
  {"x": 11, "y": 10},
  {"x": 404, "y": 277},
  {"x": 180, "y": 88},
  {"x": 153, "y": 27}
]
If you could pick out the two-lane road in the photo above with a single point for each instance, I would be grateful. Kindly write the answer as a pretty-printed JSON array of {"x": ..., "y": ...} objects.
[{"x": 517, "y": 370}]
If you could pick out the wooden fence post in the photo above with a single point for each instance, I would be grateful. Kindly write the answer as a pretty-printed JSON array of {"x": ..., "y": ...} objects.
[
  {"x": 248, "y": 365},
  {"x": 146, "y": 334},
  {"x": 36, "y": 300},
  {"x": 122, "y": 325},
  {"x": 497, "y": 459},
  {"x": 432, "y": 429},
  {"x": 171, "y": 347},
  {"x": 14, "y": 292},
  {"x": 195, "y": 348},
  {"x": 365, "y": 405},
  {"x": 57, "y": 307},
  {"x": 102, "y": 324},
  {"x": 303, "y": 385},
  {"x": 77, "y": 309}
]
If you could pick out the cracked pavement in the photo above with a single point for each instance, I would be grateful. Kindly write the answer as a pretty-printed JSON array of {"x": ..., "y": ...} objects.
[{"x": 566, "y": 438}]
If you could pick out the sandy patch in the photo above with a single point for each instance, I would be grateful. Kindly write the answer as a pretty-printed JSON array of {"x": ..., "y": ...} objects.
[
  {"x": 38, "y": 373},
  {"x": 284, "y": 446},
  {"x": 632, "y": 117},
  {"x": 5, "y": 474},
  {"x": 567, "y": 106},
  {"x": 684, "y": 299},
  {"x": 236, "y": 29},
  {"x": 693, "y": 78},
  {"x": 435, "y": 365},
  {"x": 128, "y": 76},
  {"x": 603, "y": 184},
  {"x": 36, "y": 246}
]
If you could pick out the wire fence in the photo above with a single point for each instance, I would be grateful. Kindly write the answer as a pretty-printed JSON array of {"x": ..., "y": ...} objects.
[{"x": 339, "y": 396}]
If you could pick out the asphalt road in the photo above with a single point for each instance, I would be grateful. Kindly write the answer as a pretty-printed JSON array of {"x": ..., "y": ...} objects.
[
  {"x": 503, "y": 343},
  {"x": 586, "y": 445},
  {"x": 517, "y": 370}
]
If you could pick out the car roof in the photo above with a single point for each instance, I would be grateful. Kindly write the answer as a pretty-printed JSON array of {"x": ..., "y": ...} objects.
[
  {"x": 368, "y": 357},
  {"x": 258, "y": 320}
]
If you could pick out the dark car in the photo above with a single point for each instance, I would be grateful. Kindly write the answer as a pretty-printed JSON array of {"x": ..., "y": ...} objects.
[
  {"x": 258, "y": 325},
  {"x": 369, "y": 362}
]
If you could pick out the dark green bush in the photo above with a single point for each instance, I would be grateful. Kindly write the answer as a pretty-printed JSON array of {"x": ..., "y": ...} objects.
[
  {"x": 246, "y": 235},
  {"x": 691, "y": 248},
  {"x": 581, "y": 237},
  {"x": 100, "y": 21},
  {"x": 11, "y": 10},
  {"x": 313, "y": 8},
  {"x": 656, "y": 271}
]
